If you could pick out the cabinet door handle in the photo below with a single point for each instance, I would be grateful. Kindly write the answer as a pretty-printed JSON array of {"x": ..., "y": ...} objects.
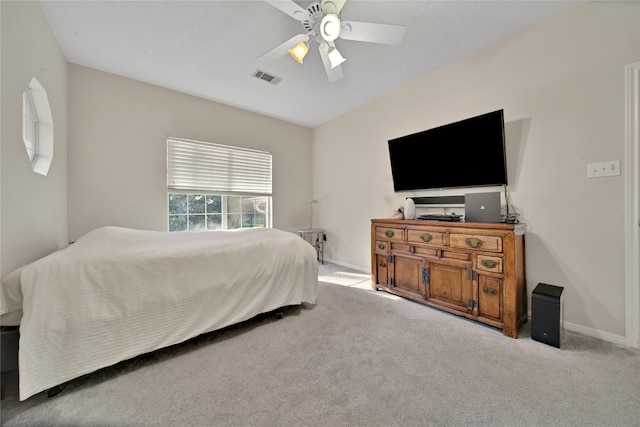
[
  {"x": 382, "y": 264},
  {"x": 381, "y": 246},
  {"x": 474, "y": 242},
  {"x": 426, "y": 237},
  {"x": 487, "y": 263},
  {"x": 389, "y": 233},
  {"x": 425, "y": 275},
  {"x": 489, "y": 291}
]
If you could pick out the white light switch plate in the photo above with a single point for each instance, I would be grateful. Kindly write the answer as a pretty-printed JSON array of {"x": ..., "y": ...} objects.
[{"x": 598, "y": 170}]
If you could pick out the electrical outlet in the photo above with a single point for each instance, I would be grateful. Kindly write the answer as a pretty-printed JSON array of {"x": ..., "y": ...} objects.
[{"x": 598, "y": 170}]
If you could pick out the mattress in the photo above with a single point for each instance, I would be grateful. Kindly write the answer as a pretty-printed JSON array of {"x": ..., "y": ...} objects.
[{"x": 117, "y": 293}]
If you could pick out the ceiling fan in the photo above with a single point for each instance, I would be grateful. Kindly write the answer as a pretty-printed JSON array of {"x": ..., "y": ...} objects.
[{"x": 322, "y": 23}]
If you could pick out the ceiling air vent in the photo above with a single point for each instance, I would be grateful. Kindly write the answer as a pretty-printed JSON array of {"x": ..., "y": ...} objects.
[{"x": 266, "y": 77}]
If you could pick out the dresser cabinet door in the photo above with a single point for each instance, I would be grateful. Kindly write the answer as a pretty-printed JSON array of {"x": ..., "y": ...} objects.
[
  {"x": 382, "y": 270},
  {"x": 407, "y": 276},
  {"x": 450, "y": 286},
  {"x": 490, "y": 297}
]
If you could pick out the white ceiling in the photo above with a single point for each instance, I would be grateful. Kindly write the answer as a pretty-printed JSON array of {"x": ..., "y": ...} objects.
[{"x": 209, "y": 48}]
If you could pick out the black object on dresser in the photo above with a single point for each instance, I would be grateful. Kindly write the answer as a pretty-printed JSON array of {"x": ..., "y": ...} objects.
[{"x": 546, "y": 314}]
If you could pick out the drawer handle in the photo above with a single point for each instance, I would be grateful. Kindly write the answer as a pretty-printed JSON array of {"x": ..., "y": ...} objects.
[
  {"x": 426, "y": 237},
  {"x": 489, "y": 263},
  {"x": 474, "y": 242},
  {"x": 489, "y": 291},
  {"x": 389, "y": 233},
  {"x": 381, "y": 246}
]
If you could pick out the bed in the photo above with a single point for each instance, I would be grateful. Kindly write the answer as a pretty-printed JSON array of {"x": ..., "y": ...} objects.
[{"x": 117, "y": 293}]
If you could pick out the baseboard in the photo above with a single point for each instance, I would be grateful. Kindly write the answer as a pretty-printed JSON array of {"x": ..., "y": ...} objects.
[
  {"x": 351, "y": 266},
  {"x": 596, "y": 333},
  {"x": 592, "y": 332}
]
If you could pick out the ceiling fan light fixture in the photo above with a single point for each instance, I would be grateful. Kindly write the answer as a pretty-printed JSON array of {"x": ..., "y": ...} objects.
[
  {"x": 330, "y": 27},
  {"x": 299, "y": 51},
  {"x": 335, "y": 58}
]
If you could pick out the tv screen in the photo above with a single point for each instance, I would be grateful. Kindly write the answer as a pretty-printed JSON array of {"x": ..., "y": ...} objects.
[{"x": 468, "y": 153}]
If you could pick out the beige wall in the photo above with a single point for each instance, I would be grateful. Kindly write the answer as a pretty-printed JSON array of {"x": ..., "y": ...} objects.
[
  {"x": 33, "y": 207},
  {"x": 118, "y": 129},
  {"x": 561, "y": 85}
]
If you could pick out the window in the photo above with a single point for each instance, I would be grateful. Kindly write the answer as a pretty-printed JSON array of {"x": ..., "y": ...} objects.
[
  {"x": 199, "y": 212},
  {"x": 37, "y": 127},
  {"x": 217, "y": 187},
  {"x": 29, "y": 125}
]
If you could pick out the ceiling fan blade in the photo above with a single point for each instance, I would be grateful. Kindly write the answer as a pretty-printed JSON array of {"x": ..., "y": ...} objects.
[
  {"x": 282, "y": 49},
  {"x": 334, "y": 74},
  {"x": 332, "y": 6},
  {"x": 290, "y": 8},
  {"x": 373, "y": 33}
]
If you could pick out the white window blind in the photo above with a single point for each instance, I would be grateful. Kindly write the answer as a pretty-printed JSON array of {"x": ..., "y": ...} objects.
[{"x": 196, "y": 166}]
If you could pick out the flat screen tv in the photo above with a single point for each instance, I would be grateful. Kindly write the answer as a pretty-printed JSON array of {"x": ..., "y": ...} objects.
[{"x": 468, "y": 153}]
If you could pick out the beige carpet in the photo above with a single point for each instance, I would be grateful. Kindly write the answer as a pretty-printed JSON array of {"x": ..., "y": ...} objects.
[{"x": 357, "y": 358}]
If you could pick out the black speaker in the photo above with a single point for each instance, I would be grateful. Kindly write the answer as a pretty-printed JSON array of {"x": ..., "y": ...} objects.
[{"x": 546, "y": 314}]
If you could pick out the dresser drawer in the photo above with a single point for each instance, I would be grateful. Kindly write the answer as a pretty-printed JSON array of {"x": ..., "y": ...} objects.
[
  {"x": 429, "y": 237},
  {"x": 382, "y": 247},
  {"x": 430, "y": 252},
  {"x": 489, "y": 263},
  {"x": 470, "y": 241},
  {"x": 402, "y": 247},
  {"x": 389, "y": 233},
  {"x": 462, "y": 256}
]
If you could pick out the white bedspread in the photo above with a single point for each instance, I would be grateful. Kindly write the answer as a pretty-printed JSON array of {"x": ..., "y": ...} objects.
[{"x": 117, "y": 293}]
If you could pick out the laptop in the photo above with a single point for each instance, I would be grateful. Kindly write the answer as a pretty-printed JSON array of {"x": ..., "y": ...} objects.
[{"x": 482, "y": 207}]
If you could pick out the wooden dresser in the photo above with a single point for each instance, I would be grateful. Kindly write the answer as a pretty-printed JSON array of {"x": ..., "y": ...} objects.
[{"x": 471, "y": 269}]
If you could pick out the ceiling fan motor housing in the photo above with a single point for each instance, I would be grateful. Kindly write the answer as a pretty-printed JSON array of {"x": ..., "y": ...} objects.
[
  {"x": 314, "y": 24},
  {"x": 330, "y": 27}
]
